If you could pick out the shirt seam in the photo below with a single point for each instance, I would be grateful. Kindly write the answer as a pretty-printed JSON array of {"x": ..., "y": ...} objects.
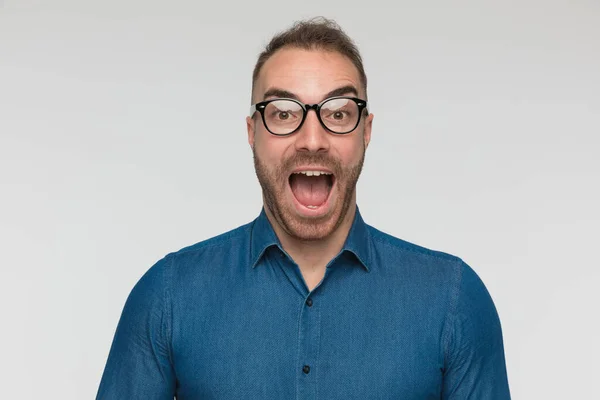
[
  {"x": 168, "y": 305},
  {"x": 451, "y": 314},
  {"x": 214, "y": 241},
  {"x": 442, "y": 257}
]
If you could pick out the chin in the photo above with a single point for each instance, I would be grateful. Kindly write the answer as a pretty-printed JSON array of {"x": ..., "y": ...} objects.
[
  {"x": 308, "y": 224},
  {"x": 309, "y": 230}
]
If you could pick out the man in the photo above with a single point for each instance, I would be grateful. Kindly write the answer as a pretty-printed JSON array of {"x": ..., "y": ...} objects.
[{"x": 307, "y": 301}]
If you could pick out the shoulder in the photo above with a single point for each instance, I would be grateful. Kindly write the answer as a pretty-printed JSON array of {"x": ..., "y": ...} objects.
[
  {"x": 224, "y": 240},
  {"x": 468, "y": 302},
  {"x": 208, "y": 256},
  {"x": 393, "y": 249},
  {"x": 433, "y": 269},
  {"x": 154, "y": 287}
]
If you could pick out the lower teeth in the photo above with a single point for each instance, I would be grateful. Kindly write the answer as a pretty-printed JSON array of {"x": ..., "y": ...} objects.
[{"x": 311, "y": 207}]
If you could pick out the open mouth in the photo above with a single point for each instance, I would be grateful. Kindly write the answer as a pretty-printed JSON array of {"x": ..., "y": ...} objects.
[{"x": 311, "y": 188}]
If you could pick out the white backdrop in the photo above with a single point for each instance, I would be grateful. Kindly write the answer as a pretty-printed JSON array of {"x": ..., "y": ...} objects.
[{"x": 122, "y": 138}]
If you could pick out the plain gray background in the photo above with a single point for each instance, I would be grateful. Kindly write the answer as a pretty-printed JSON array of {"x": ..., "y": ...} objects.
[{"x": 123, "y": 138}]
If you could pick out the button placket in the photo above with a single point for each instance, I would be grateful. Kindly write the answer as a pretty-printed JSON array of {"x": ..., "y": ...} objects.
[{"x": 308, "y": 342}]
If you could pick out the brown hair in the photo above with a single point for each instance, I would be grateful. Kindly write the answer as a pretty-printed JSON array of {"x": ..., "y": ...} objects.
[{"x": 318, "y": 33}]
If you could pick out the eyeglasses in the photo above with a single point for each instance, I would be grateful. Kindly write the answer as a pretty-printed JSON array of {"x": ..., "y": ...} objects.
[{"x": 282, "y": 117}]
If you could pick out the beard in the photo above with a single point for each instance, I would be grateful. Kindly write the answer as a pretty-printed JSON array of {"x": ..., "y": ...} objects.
[{"x": 274, "y": 182}]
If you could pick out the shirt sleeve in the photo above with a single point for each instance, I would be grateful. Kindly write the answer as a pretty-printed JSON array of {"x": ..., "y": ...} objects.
[
  {"x": 475, "y": 366},
  {"x": 139, "y": 362}
]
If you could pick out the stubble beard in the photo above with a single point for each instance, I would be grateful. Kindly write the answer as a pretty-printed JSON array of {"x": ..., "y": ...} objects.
[{"x": 274, "y": 182}]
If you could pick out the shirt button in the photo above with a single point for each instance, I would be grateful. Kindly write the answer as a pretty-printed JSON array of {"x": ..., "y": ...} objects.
[
  {"x": 306, "y": 369},
  {"x": 309, "y": 302}
]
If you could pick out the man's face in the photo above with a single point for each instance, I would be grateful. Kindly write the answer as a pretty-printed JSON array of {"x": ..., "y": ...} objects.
[{"x": 308, "y": 207}]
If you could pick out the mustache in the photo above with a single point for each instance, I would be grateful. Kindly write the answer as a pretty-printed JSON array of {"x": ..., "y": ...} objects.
[{"x": 309, "y": 159}]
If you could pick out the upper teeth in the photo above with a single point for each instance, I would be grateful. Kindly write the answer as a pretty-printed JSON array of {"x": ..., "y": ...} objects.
[{"x": 313, "y": 173}]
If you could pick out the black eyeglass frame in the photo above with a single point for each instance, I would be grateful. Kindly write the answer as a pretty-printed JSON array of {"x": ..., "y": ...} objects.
[{"x": 261, "y": 106}]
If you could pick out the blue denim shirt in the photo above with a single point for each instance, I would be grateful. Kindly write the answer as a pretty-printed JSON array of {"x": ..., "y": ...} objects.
[{"x": 232, "y": 318}]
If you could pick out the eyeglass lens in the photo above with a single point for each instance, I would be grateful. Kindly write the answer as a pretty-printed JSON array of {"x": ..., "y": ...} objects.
[{"x": 338, "y": 115}]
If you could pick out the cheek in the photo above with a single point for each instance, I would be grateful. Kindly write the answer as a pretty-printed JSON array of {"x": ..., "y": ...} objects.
[
  {"x": 350, "y": 149},
  {"x": 271, "y": 149}
]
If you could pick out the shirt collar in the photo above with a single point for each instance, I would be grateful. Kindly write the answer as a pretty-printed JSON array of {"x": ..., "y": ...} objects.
[
  {"x": 262, "y": 236},
  {"x": 358, "y": 241}
]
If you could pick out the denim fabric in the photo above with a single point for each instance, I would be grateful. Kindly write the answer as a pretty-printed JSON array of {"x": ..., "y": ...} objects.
[{"x": 232, "y": 318}]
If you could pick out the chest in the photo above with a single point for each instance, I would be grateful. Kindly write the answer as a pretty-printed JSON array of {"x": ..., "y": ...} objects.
[{"x": 270, "y": 342}]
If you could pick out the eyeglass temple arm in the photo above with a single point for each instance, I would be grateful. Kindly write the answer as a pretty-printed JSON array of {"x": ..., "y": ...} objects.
[{"x": 254, "y": 108}]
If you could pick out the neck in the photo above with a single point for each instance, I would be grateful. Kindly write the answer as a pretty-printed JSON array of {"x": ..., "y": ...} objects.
[{"x": 314, "y": 255}]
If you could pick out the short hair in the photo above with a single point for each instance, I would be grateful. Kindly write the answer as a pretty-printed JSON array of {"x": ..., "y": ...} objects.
[{"x": 317, "y": 33}]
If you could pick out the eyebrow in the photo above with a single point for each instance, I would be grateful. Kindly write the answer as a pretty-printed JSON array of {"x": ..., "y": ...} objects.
[{"x": 341, "y": 91}]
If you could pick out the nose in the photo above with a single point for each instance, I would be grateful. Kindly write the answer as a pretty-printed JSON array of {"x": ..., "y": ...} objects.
[{"x": 312, "y": 136}]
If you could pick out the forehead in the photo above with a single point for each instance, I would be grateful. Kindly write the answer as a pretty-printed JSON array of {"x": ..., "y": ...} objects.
[{"x": 307, "y": 73}]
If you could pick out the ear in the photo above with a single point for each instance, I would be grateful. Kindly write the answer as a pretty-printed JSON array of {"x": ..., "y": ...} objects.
[
  {"x": 250, "y": 126},
  {"x": 368, "y": 126}
]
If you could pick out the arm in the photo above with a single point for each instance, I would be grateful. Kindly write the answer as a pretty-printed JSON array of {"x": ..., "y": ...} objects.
[
  {"x": 474, "y": 351},
  {"x": 139, "y": 363}
]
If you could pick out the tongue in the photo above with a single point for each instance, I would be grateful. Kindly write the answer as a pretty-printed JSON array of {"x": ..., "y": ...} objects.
[{"x": 309, "y": 190}]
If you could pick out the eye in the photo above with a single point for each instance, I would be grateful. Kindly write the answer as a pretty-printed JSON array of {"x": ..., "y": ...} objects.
[
  {"x": 283, "y": 111},
  {"x": 283, "y": 115},
  {"x": 338, "y": 115}
]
